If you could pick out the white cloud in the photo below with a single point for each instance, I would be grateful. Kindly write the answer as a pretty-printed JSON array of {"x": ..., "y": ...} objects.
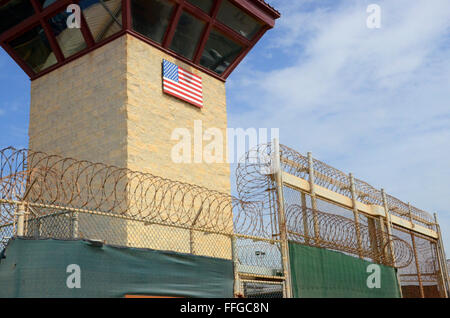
[{"x": 371, "y": 101}]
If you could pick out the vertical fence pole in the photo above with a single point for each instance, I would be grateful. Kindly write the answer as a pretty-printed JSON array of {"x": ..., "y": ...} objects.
[
  {"x": 282, "y": 217},
  {"x": 442, "y": 259},
  {"x": 20, "y": 219},
  {"x": 410, "y": 215},
  {"x": 419, "y": 275},
  {"x": 305, "y": 218},
  {"x": 237, "y": 281},
  {"x": 312, "y": 190},
  {"x": 356, "y": 215},
  {"x": 38, "y": 228},
  {"x": 389, "y": 226},
  {"x": 191, "y": 231},
  {"x": 75, "y": 225}
]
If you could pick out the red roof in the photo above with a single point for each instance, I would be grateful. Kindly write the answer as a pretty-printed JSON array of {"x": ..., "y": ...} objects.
[
  {"x": 269, "y": 6},
  {"x": 275, "y": 12}
]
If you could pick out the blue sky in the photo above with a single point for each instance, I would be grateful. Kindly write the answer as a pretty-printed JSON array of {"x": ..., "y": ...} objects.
[
  {"x": 14, "y": 103},
  {"x": 374, "y": 102}
]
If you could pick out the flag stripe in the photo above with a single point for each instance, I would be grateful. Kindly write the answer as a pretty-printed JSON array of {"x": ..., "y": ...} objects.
[
  {"x": 183, "y": 97},
  {"x": 168, "y": 82},
  {"x": 191, "y": 76},
  {"x": 188, "y": 87},
  {"x": 181, "y": 91},
  {"x": 190, "y": 84}
]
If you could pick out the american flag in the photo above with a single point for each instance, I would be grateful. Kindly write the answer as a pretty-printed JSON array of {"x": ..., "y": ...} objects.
[{"x": 182, "y": 84}]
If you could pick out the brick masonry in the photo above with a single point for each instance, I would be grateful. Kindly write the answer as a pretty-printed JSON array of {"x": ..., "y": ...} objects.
[{"x": 108, "y": 106}]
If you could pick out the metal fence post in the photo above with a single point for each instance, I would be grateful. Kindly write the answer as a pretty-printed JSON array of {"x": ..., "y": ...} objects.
[
  {"x": 305, "y": 218},
  {"x": 191, "y": 230},
  {"x": 410, "y": 215},
  {"x": 442, "y": 259},
  {"x": 389, "y": 225},
  {"x": 237, "y": 281},
  {"x": 20, "y": 219},
  {"x": 75, "y": 225},
  {"x": 419, "y": 275},
  {"x": 312, "y": 189},
  {"x": 356, "y": 215},
  {"x": 282, "y": 217}
]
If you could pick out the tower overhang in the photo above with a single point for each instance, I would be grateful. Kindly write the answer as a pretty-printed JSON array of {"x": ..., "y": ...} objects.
[{"x": 210, "y": 35}]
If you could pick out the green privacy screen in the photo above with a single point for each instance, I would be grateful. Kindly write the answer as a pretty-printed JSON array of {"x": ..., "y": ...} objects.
[
  {"x": 37, "y": 268},
  {"x": 319, "y": 273}
]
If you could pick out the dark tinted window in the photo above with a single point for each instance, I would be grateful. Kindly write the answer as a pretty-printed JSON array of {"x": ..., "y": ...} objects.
[
  {"x": 220, "y": 52},
  {"x": 46, "y": 3},
  {"x": 70, "y": 41},
  {"x": 104, "y": 18},
  {"x": 151, "y": 17},
  {"x": 14, "y": 12},
  {"x": 33, "y": 47},
  {"x": 238, "y": 20},
  {"x": 205, "y": 5},
  {"x": 187, "y": 35}
]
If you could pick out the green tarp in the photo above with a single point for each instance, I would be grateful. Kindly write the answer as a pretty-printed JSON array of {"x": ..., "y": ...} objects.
[
  {"x": 320, "y": 273},
  {"x": 38, "y": 268}
]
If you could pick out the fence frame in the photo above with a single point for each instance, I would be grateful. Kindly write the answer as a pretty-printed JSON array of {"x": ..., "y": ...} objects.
[{"x": 382, "y": 212}]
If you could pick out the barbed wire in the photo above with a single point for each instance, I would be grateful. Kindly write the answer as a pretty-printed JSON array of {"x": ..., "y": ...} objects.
[
  {"x": 50, "y": 180},
  {"x": 333, "y": 179},
  {"x": 340, "y": 233},
  {"x": 53, "y": 181}
]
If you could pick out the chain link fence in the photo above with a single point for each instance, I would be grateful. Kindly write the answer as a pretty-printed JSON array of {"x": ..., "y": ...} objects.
[{"x": 47, "y": 196}]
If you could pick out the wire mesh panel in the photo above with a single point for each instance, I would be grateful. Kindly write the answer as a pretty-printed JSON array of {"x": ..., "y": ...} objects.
[
  {"x": 261, "y": 289},
  {"x": 58, "y": 225},
  {"x": 429, "y": 267},
  {"x": 6, "y": 233},
  {"x": 409, "y": 274},
  {"x": 120, "y": 231},
  {"x": 258, "y": 257},
  {"x": 421, "y": 278}
]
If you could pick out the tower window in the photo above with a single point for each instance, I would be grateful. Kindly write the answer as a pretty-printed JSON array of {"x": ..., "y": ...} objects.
[
  {"x": 151, "y": 17},
  {"x": 187, "y": 35},
  {"x": 205, "y": 5},
  {"x": 46, "y": 3},
  {"x": 33, "y": 48},
  {"x": 238, "y": 20},
  {"x": 104, "y": 17},
  {"x": 220, "y": 51},
  {"x": 14, "y": 12},
  {"x": 70, "y": 41}
]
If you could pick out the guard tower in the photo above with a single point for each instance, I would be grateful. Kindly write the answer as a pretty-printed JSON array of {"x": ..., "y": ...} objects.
[
  {"x": 96, "y": 90},
  {"x": 97, "y": 87}
]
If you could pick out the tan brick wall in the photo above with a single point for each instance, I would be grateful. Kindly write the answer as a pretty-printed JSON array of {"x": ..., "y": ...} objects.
[
  {"x": 108, "y": 106},
  {"x": 153, "y": 115},
  {"x": 79, "y": 110}
]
